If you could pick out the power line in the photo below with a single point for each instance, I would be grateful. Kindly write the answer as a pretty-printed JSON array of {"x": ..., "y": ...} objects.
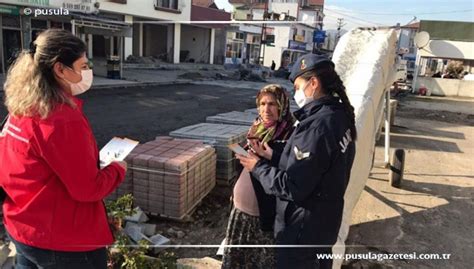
[
  {"x": 349, "y": 19},
  {"x": 407, "y": 14},
  {"x": 349, "y": 16}
]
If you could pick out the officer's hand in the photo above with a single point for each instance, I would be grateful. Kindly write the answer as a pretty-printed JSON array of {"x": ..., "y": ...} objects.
[
  {"x": 122, "y": 164},
  {"x": 248, "y": 162},
  {"x": 262, "y": 150}
]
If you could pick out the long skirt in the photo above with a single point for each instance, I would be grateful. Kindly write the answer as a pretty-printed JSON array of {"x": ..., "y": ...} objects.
[{"x": 244, "y": 229}]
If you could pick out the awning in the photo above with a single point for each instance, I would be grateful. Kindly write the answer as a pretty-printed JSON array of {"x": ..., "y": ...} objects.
[{"x": 98, "y": 26}]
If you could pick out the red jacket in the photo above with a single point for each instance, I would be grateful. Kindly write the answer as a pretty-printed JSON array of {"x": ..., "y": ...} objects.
[{"x": 49, "y": 169}]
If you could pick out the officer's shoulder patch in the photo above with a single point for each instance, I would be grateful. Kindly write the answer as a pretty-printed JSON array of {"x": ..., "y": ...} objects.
[{"x": 300, "y": 155}]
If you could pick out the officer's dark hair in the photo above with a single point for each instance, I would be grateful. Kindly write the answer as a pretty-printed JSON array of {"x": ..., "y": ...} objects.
[{"x": 332, "y": 84}]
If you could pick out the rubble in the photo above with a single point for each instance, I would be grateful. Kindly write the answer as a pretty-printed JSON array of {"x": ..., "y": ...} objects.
[
  {"x": 180, "y": 234},
  {"x": 193, "y": 76},
  {"x": 203, "y": 263},
  {"x": 138, "y": 217},
  {"x": 7, "y": 256}
]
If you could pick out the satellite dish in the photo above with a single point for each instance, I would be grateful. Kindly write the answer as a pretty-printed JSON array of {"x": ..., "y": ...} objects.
[{"x": 421, "y": 39}]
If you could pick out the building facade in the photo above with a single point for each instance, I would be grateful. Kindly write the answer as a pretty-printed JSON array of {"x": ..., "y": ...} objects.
[
  {"x": 118, "y": 28},
  {"x": 282, "y": 43},
  {"x": 406, "y": 44},
  {"x": 450, "y": 43}
]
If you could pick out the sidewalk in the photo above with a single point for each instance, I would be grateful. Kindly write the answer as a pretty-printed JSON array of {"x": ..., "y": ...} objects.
[{"x": 146, "y": 77}]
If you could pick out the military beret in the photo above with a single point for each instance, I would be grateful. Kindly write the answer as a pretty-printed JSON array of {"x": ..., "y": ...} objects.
[{"x": 306, "y": 63}]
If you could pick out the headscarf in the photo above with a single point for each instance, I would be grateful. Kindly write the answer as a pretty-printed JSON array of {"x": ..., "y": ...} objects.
[{"x": 279, "y": 130}]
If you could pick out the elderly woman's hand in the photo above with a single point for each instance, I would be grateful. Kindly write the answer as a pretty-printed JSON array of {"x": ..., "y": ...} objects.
[
  {"x": 248, "y": 162},
  {"x": 260, "y": 149}
]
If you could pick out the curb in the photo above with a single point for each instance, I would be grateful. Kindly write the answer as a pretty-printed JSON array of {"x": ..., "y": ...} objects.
[
  {"x": 167, "y": 83},
  {"x": 138, "y": 84}
]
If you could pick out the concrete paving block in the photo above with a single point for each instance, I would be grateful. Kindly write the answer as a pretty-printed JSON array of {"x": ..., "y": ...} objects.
[
  {"x": 173, "y": 179},
  {"x": 148, "y": 229},
  {"x": 134, "y": 231},
  {"x": 139, "y": 216},
  {"x": 234, "y": 118},
  {"x": 159, "y": 240}
]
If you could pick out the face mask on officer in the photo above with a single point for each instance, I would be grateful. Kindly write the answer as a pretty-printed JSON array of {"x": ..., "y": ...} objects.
[
  {"x": 300, "y": 97},
  {"x": 84, "y": 84}
]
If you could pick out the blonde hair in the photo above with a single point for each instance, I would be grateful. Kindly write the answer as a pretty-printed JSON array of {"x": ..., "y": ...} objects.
[{"x": 31, "y": 88}]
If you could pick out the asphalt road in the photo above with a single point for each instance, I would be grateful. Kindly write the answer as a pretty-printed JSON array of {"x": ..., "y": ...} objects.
[{"x": 142, "y": 113}]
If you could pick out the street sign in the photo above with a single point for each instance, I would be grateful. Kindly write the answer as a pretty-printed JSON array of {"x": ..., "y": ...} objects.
[
  {"x": 299, "y": 38},
  {"x": 9, "y": 10},
  {"x": 296, "y": 45},
  {"x": 319, "y": 36}
]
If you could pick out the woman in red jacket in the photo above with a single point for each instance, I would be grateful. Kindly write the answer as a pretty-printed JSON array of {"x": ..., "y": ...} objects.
[{"x": 54, "y": 212}]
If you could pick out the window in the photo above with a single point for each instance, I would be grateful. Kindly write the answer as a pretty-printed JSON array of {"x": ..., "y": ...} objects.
[
  {"x": 256, "y": 40},
  {"x": 169, "y": 4},
  {"x": 239, "y": 36},
  {"x": 11, "y": 21}
]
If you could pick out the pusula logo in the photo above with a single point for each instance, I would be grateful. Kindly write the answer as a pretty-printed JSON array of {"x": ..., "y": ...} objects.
[{"x": 51, "y": 12}]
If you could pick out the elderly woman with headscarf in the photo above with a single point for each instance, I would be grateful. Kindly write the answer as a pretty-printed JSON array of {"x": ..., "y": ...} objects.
[{"x": 253, "y": 214}]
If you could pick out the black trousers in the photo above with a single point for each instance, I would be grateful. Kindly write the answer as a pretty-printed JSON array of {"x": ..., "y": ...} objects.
[{"x": 29, "y": 257}]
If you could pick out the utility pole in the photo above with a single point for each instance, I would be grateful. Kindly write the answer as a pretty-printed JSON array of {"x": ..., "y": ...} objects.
[
  {"x": 263, "y": 39},
  {"x": 340, "y": 24},
  {"x": 264, "y": 31}
]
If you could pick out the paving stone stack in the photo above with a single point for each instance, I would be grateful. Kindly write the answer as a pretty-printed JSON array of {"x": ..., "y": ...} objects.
[
  {"x": 220, "y": 136},
  {"x": 171, "y": 176},
  {"x": 234, "y": 118}
]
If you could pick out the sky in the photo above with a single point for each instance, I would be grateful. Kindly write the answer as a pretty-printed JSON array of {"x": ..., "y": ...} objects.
[{"x": 357, "y": 13}]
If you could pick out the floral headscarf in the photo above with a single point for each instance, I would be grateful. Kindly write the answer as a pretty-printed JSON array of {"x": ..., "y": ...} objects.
[{"x": 282, "y": 129}]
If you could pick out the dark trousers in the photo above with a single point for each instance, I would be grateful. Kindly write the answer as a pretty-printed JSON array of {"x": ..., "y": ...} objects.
[{"x": 29, "y": 257}]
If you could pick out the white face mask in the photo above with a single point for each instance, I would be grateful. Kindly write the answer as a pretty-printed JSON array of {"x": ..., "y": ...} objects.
[
  {"x": 300, "y": 97},
  {"x": 83, "y": 85}
]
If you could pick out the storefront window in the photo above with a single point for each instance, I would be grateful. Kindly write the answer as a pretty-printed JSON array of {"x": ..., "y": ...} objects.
[
  {"x": 10, "y": 21},
  {"x": 56, "y": 25},
  {"x": 234, "y": 49},
  {"x": 68, "y": 26}
]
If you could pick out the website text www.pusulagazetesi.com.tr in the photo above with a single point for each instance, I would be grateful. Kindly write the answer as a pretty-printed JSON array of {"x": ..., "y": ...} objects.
[{"x": 385, "y": 256}]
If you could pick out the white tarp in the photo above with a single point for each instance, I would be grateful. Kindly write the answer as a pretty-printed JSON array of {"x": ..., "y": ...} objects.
[{"x": 365, "y": 60}]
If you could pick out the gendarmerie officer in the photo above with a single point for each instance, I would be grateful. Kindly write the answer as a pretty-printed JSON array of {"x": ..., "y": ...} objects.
[{"x": 314, "y": 168}]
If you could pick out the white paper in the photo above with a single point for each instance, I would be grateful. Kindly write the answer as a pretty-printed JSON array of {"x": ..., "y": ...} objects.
[
  {"x": 116, "y": 150},
  {"x": 238, "y": 149}
]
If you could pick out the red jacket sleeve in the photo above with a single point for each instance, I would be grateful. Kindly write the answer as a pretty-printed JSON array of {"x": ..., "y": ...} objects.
[{"x": 71, "y": 153}]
